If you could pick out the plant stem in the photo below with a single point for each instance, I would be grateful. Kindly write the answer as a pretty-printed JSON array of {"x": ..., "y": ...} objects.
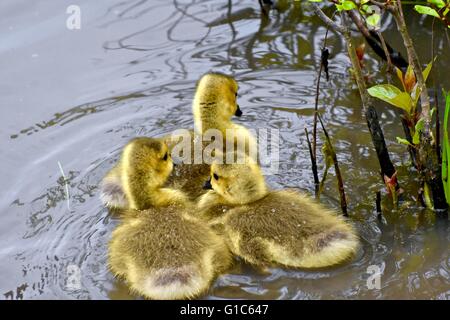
[
  {"x": 314, "y": 165},
  {"x": 413, "y": 60},
  {"x": 263, "y": 9},
  {"x": 386, "y": 52},
  {"x": 316, "y": 109},
  {"x": 411, "y": 149},
  {"x": 387, "y": 168},
  {"x": 337, "y": 170},
  {"x": 428, "y": 162}
]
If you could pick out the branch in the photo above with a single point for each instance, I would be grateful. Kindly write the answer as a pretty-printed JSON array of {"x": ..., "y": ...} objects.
[
  {"x": 314, "y": 165},
  {"x": 377, "y": 43},
  {"x": 330, "y": 23},
  {"x": 365, "y": 97},
  {"x": 379, "y": 4},
  {"x": 263, "y": 9},
  {"x": 376, "y": 132},
  {"x": 413, "y": 61}
]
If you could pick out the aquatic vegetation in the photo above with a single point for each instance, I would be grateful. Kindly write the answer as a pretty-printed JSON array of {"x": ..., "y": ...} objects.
[{"x": 418, "y": 125}]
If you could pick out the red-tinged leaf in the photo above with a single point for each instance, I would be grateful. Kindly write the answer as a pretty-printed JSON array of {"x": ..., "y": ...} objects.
[
  {"x": 360, "y": 51},
  {"x": 410, "y": 79},
  {"x": 400, "y": 77},
  {"x": 391, "y": 182}
]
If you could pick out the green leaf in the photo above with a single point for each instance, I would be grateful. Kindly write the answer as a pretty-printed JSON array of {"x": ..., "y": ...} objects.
[
  {"x": 437, "y": 3},
  {"x": 445, "y": 13},
  {"x": 348, "y": 5},
  {"x": 427, "y": 70},
  {"x": 415, "y": 93},
  {"x": 446, "y": 151},
  {"x": 315, "y": 0},
  {"x": 364, "y": 8},
  {"x": 373, "y": 20},
  {"x": 403, "y": 141},
  {"x": 432, "y": 112},
  {"x": 400, "y": 77},
  {"x": 328, "y": 154},
  {"x": 427, "y": 197},
  {"x": 391, "y": 94},
  {"x": 426, "y": 10}
]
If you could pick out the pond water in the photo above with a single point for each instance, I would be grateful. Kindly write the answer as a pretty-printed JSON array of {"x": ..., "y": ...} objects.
[{"x": 72, "y": 98}]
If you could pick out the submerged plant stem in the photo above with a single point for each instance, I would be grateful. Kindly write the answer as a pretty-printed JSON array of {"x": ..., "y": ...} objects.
[
  {"x": 337, "y": 170},
  {"x": 313, "y": 164},
  {"x": 387, "y": 168}
]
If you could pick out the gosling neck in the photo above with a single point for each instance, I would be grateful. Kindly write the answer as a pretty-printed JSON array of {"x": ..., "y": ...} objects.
[
  {"x": 206, "y": 117},
  {"x": 208, "y": 123},
  {"x": 141, "y": 189},
  {"x": 260, "y": 192}
]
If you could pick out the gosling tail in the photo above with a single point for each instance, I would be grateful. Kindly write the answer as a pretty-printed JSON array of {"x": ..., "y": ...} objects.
[
  {"x": 112, "y": 194},
  {"x": 184, "y": 282},
  {"x": 332, "y": 248}
]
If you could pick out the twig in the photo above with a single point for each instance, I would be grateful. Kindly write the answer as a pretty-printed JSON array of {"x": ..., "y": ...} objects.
[
  {"x": 263, "y": 9},
  {"x": 330, "y": 23},
  {"x": 314, "y": 165},
  {"x": 323, "y": 64},
  {"x": 387, "y": 168},
  {"x": 316, "y": 108},
  {"x": 386, "y": 51},
  {"x": 337, "y": 170},
  {"x": 374, "y": 41},
  {"x": 411, "y": 149},
  {"x": 379, "y": 4}
]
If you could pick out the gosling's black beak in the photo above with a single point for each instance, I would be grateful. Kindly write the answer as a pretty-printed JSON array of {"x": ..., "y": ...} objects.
[
  {"x": 238, "y": 112},
  {"x": 207, "y": 185}
]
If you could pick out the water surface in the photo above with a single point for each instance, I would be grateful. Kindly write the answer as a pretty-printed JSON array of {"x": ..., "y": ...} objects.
[{"x": 76, "y": 97}]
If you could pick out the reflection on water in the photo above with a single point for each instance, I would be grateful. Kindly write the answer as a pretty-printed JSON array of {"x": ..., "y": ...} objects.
[{"x": 76, "y": 97}]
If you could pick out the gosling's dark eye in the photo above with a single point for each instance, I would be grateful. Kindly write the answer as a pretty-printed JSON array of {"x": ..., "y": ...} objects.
[
  {"x": 216, "y": 176},
  {"x": 235, "y": 94},
  {"x": 165, "y": 156}
]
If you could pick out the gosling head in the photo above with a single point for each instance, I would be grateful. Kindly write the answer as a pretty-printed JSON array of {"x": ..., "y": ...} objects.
[
  {"x": 237, "y": 184},
  {"x": 215, "y": 101},
  {"x": 146, "y": 162}
]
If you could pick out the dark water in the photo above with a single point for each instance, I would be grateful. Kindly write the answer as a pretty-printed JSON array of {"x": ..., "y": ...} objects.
[{"x": 75, "y": 97}]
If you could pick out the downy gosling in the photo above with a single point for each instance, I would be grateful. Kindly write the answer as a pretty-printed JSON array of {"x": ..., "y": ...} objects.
[
  {"x": 274, "y": 228},
  {"x": 162, "y": 252},
  {"x": 214, "y": 105},
  {"x": 136, "y": 182}
]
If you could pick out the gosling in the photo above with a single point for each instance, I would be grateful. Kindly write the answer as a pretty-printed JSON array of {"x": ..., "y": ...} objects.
[
  {"x": 214, "y": 104},
  {"x": 136, "y": 182},
  {"x": 162, "y": 252},
  {"x": 280, "y": 228}
]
